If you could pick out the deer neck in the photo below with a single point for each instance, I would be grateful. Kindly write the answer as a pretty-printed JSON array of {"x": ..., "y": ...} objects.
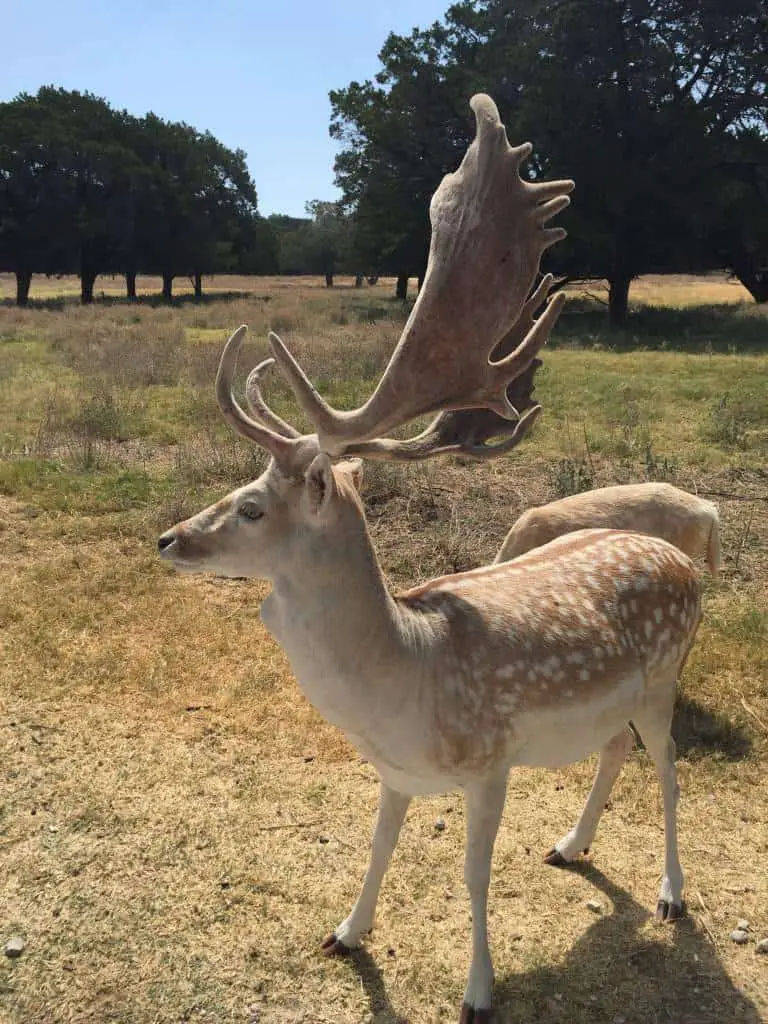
[{"x": 340, "y": 628}]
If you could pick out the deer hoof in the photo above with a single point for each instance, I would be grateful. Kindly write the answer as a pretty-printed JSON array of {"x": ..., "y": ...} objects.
[
  {"x": 334, "y": 947},
  {"x": 666, "y": 912},
  {"x": 555, "y": 859},
  {"x": 469, "y": 1015}
]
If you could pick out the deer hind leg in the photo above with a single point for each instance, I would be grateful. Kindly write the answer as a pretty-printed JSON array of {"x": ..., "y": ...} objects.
[
  {"x": 392, "y": 810},
  {"x": 580, "y": 838},
  {"x": 485, "y": 803},
  {"x": 661, "y": 747}
]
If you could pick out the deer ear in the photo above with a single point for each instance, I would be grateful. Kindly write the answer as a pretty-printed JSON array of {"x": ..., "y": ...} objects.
[
  {"x": 319, "y": 483},
  {"x": 354, "y": 470}
]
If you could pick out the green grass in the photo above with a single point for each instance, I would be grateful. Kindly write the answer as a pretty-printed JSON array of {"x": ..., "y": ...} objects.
[
  {"x": 700, "y": 409},
  {"x": 48, "y": 485}
]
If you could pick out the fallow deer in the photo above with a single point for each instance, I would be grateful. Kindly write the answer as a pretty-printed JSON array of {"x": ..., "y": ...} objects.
[
  {"x": 658, "y": 509},
  {"x": 538, "y": 661}
]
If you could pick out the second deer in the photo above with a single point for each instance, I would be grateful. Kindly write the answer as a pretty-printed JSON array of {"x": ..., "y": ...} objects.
[{"x": 658, "y": 509}]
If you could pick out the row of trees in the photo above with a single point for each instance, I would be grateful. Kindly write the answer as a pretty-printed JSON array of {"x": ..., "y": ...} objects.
[
  {"x": 656, "y": 107},
  {"x": 90, "y": 190}
]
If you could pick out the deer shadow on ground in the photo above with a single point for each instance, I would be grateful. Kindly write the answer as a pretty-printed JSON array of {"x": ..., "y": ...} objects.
[
  {"x": 699, "y": 731},
  {"x": 616, "y": 972},
  {"x": 372, "y": 979}
]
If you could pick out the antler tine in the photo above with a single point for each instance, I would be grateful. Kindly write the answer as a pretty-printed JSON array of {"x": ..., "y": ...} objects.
[
  {"x": 311, "y": 402},
  {"x": 257, "y": 405},
  {"x": 488, "y": 235},
  {"x": 518, "y": 331},
  {"x": 282, "y": 449}
]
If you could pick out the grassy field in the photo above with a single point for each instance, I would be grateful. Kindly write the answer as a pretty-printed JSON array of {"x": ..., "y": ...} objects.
[{"x": 179, "y": 829}]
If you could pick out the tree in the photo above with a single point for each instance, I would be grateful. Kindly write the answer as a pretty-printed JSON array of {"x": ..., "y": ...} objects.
[
  {"x": 255, "y": 246},
  {"x": 328, "y": 239},
  {"x": 194, "y": 205},
  {"x": 737, "y": 231},
  {"x": 33, "y": 198},
  {"x": 292, "y": 236},
  {"x": 316, "y": 244},
  {"x": 635, "y": 99},
  {"x": 65, "y": 159},
  {"x": 400, "y": 136},
  {"x": 225, "y": 199}
]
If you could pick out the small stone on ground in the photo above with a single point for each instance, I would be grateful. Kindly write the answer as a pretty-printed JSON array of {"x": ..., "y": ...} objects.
[
  {"x": 14, "y": 946},
  {"x": 594, "y": 906},
  {"x": 739, "y": 936},
  {"x": 762, "y": 946}
]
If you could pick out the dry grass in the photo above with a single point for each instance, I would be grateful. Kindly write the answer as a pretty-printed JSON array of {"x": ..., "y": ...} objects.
[
  {"x": 681, "y": 290},
  {"x": 167, "y": 791},
  {"x": 148, "y": 286}
]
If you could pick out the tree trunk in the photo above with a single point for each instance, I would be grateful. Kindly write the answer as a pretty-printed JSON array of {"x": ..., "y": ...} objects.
[
  {"x": 618, "y": 299},
  {"x": 359, "y": 278},
  {"x": 329, "y": 279},
  {"x": 197, "y": 278},
  {"x": 87, "y": 281},
  {"x": 23, "y": 281},
  {"x": 401, "y": 288},
  {"x": 754, "y": 280},
  {"x": 130, "y": 284},
  {"x": 168, "y": 287}
]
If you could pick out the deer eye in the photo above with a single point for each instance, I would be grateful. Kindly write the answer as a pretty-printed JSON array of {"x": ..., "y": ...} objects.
[{"x": 251, "y": 511}]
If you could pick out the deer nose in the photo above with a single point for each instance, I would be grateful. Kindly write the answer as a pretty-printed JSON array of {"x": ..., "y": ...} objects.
[{"x": 165, "y": 541}]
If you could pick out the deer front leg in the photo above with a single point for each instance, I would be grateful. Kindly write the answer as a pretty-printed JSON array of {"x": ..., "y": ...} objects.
[
  {"x": 392, "y": 809},
  {"x": 485, "y": 802}
]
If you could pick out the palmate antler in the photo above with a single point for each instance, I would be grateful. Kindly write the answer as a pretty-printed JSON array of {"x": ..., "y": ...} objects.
[
  {"x": 488, "y": 235},
  {"x": 459, "y": 432}
]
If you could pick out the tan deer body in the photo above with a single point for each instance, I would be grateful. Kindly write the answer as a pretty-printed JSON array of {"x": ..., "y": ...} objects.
[
  {"x": 538, "y": 661},
  {"x": 485, "y": 669},
  {"x": 658, "y": 509},
  {"x": 557, "y": 678}
]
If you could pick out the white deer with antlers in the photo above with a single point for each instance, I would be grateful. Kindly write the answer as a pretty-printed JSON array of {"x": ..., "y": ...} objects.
[{"x": 538, "y": 661}]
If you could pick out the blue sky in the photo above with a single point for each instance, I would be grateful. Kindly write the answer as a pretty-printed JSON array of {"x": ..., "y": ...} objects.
[{"x": 255, "y": 74}]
